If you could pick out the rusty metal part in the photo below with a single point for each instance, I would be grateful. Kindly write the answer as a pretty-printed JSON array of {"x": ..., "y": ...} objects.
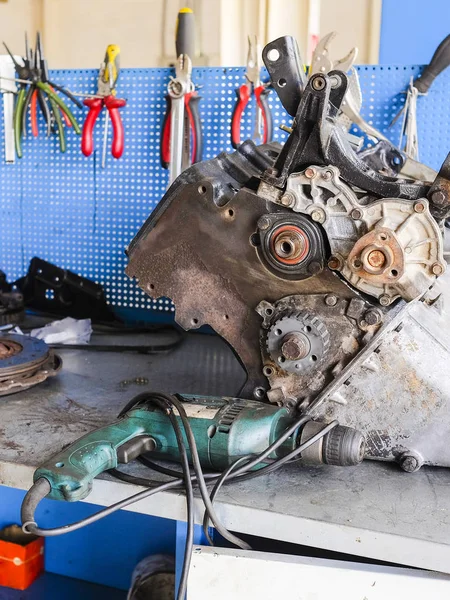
[
  {"x": 24, "y": 362},
  {"x": 224, "y": 275},
  {"x": 295, "y": 346},
  {"x": 290, "y": 244},
  {"x": 387, "y": 248},
  {"x": 9, "y": 348},
  {"x": 377, "y": 257},
  {"x": 439, "y": 193},
  {"x": 296, "y": 341},
  {"x": 340, "y": 339},
  {"x": 395, "y": 390}
]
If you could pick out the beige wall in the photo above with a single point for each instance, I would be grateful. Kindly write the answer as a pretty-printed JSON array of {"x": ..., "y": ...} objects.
[
  {"x": 16, "y": 17},
  {"x": 76, "y": 33}
]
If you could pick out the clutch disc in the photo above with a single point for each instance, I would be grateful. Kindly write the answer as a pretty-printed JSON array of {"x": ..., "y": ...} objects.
[{"x": 25, "y": 361}]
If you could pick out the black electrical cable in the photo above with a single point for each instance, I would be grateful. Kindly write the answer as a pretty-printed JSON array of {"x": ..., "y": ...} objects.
[
  {"x": 173, "y": 401},
  {"x": 189, "y": 543},
  {"x": 232, "y": 473},
  {"x": 261, "y": 471},
  {"x": 31, "y": 527},
  {"x": 134, "y": 479},
  {"x": 217, "y": 487},
  {"x": 233, "y": 539},
  {"x": 115, "y": 328},
  {"x": 140, "y": 349},
  {"x": 151, "y": 464}
]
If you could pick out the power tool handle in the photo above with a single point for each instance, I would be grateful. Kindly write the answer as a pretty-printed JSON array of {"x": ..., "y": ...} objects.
[{"x": 72, "y": 471}]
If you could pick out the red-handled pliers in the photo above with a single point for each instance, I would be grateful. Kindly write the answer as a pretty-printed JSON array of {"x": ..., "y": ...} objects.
[
  {"x": 254, "y": 86},
  {"x": 109, "y": 73},
  {"x": 194, "y": 129}
]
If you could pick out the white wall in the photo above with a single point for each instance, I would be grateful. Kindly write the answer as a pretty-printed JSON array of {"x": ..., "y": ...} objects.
[{"x": 76, "y": 33}]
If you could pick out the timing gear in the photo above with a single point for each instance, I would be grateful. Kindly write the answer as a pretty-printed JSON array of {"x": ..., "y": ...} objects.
[{"x": 298, "y": 342}]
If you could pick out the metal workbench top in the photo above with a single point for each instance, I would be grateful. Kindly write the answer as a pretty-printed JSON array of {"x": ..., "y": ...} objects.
[{"x": 373, "y": 510}]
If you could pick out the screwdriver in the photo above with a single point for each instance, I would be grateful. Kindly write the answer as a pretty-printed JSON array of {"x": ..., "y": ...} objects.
[{"x": 439, "y": 62}]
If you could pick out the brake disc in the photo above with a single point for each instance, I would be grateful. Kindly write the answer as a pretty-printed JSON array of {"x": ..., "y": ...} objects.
[{"x": 24, "y": 362}]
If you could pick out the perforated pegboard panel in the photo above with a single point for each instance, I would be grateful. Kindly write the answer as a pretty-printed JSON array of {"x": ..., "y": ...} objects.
[{"x": 68, "y": 210}]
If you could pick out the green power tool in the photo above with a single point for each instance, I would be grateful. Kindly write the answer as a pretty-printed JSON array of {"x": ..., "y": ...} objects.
[{"x": 225, "y": 430}]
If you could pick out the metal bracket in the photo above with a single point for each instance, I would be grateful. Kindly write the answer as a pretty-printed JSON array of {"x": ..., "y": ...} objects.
[
  {"x": 50, "y": 289},
  {"x": 285, "y": 67}
]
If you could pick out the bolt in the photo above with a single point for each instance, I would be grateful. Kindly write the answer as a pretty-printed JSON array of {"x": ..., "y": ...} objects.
[
  {"x": 437, "y": 268},
  {"x": 376, "y": 259},
  {"x": 356, "y": 214},
  {"x": 334, "y": 263},
  {"x": 331, "y": 300},
  {"x": 410, "y": 463},
  {"x": 335, "y": 81},
  {"x": 259, "y": 393},
  {"x": 385, "y": 300},
  {"x": 310, "y": 173},
  {"x": 439, "y": 198},
  {"x": 373, "y": 317},
  {"x": 419, "y": 207},
  {"x": 318, "y": 83},
  {"x": 318, "y": 215},
  {"x": 264, "y": 223},
  {"x": 292, "y": 245},
  {"x": 314, "y": 267},
  {"x": 295, "y": 346},
  {"x": 287, "y": 199},
  {"x": 284, "y": 127},
  {"x": 327, "y": 175},
  {"x": 176, "y": 88}
]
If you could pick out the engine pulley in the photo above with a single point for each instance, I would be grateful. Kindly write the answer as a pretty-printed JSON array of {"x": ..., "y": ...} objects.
[{"x": 290, "y": 245}]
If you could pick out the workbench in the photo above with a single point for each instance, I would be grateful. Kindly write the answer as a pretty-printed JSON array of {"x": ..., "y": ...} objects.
[{"x": 373, "y": 510}]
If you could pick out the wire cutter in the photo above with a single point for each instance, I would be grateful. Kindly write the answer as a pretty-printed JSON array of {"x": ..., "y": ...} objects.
[
  {"x": 181, "y": 143},
  {"x": 244, "y": 93},
  {"x": 106, "y": 96}
]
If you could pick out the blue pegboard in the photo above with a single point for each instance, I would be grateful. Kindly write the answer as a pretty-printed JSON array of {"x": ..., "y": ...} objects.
[{"x": 66, "y": 209}]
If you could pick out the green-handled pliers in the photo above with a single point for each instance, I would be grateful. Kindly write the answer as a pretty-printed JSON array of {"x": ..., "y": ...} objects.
[{"x": 33, "y": 79}]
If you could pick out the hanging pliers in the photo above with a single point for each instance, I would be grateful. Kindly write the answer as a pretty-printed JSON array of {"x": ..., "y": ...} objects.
[
  {"x": 254, "y": 86},
  {"x": 321, "y": 62},
  {"x": 57, "y": 105},
  {"x": 34, "y": 73},
  {"x": 105, "y": 96},
  {"x": 181, "y": 143}
]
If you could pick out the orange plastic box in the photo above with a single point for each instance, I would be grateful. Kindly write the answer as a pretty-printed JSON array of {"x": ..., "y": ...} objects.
[{"x": 21, "y": 557}]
